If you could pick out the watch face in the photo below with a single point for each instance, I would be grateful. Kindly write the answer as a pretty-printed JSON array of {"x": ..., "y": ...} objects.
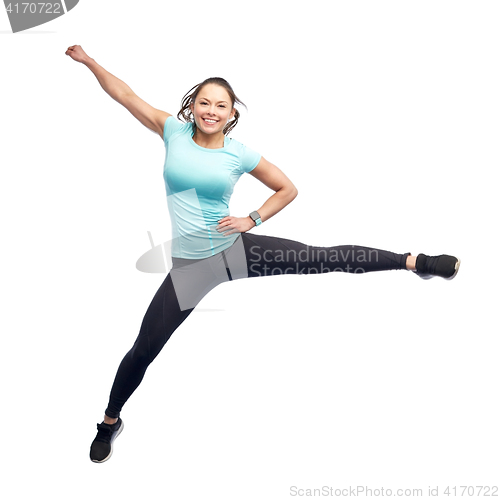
[{"x": 255, "y": 215}]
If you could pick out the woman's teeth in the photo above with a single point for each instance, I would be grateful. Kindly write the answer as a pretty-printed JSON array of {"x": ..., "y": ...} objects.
[{"x": 209, "y": 121}]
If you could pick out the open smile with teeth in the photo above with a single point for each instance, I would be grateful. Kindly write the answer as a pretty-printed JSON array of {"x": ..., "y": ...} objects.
[{"x": 210, "y": 122}]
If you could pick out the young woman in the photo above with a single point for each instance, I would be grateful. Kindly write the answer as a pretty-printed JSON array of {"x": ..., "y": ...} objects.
[{"x": 209, "y": 246}]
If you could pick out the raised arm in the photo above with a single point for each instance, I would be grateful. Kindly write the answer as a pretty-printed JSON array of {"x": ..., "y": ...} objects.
[{"x": 152, "y": 118}]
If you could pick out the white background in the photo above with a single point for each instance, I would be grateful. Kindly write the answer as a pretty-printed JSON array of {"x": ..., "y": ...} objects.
[{"x": 384, "y": 114}]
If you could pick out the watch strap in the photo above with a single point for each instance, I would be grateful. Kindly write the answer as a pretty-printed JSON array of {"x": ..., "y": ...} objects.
[{"x": 256, "y": 217}]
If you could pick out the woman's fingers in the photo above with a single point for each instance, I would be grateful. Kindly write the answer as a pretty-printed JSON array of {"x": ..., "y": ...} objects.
[{"x": 76, "y": 52}]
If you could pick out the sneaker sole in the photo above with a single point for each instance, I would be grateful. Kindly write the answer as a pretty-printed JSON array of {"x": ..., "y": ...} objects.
[
  {"x": 111, "y": 443},
  {"x": 457, "y": 265}
]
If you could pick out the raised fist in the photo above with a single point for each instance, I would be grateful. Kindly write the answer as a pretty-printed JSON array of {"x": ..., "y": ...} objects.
[{"x": 77, "y": 53}]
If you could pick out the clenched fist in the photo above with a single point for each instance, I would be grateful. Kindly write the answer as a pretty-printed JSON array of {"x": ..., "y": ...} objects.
[{"x": 77, "y": 53}]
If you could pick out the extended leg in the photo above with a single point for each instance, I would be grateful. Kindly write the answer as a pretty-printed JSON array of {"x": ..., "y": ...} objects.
[{"x": 269, "y": 255}]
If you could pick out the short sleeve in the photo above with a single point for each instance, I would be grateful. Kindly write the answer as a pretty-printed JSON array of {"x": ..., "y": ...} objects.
[
  {"x": 173, "y": 126},
  {"x": 249, "y": 159}
]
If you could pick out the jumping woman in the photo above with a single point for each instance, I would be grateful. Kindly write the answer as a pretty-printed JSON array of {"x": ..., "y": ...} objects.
[{"x": 209, "y": 246}]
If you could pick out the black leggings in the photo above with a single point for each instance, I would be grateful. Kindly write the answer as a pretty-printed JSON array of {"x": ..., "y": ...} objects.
[{"x": 250, "y": 256}]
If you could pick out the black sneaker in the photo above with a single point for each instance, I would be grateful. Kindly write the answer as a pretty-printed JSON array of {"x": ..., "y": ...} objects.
[
  {"x": 102, "y": 446},
  {"x": 444, "y": 266}
]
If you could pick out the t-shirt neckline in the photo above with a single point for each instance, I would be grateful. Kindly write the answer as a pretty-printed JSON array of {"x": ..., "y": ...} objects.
[{"x": 210, "y": 150}]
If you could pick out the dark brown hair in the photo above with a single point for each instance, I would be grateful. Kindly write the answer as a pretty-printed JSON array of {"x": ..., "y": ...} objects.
[{"x": 186, "y": 114}]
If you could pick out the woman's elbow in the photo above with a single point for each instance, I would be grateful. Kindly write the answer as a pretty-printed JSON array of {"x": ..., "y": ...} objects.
[{"x": 289, "y": 191}]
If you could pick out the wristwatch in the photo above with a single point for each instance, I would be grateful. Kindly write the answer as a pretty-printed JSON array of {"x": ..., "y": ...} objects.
[{"x": 256, "y": 217}]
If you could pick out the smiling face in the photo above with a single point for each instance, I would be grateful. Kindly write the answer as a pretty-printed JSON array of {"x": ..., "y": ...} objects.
[{"x": 212, "y": 109}]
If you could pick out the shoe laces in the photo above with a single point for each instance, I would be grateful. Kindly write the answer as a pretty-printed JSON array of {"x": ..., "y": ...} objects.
[
  {"x": 427, "y": 265},
  {"x": 431, "y": 264},
  {"x": 104, "y": 433}
]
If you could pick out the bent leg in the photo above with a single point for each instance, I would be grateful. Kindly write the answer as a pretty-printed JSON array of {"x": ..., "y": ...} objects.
[
  {"x": 185, "y": 285},
  {"x": 162, "y": 318}
]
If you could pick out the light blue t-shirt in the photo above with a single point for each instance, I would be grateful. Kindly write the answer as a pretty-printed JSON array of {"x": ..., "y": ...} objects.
[{"x": 199, "y": 183}]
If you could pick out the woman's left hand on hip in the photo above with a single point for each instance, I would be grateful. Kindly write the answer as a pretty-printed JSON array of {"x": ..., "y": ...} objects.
[{"x": 230, "y": 225}]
